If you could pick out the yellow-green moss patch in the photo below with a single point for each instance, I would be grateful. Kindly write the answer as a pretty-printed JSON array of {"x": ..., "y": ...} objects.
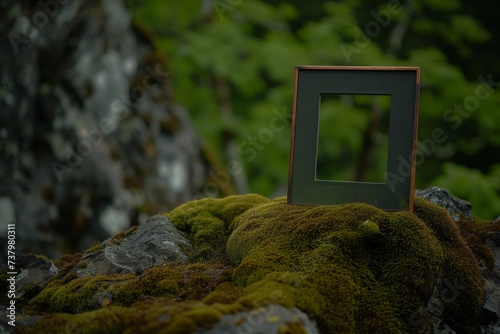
[{"x": 209, "y": 222}]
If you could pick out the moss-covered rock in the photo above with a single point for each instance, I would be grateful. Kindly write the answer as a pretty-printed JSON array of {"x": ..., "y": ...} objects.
[
  {"x": 350, "y": 268},
  {"x": 209, "y": 222}
]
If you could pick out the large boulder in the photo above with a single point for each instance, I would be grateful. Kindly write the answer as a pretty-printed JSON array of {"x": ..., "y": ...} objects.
[
  {"x": 253, "y": 264},
  {"x": 91, "y": 141}
]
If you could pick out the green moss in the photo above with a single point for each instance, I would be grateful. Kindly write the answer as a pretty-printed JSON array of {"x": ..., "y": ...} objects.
[
  {"x": 475, "y": 232},
  {"x": 226, "y": 293},
  {"x": 460, "y": 270},
  {"x": 94, "y": 248},
  {"x": 332, "y": 246},
  {"x": 294, "y": 327},
  {"x": 319, "y": 243},
  {"x": 82, "y": 264},
  {"x": 203, "y": 316},
  {"x": 181, "y": 325},
  {"x": 122, "y": 235},
  {"x": 353, "y": 268},
  {"x": 107, "y": 320},
  {"x": 42, "y": 257},
  {"x": 154, "y": 318},
  {"x": 187, "y": 282},
  {"x": 209, "y": 222},
  {"x": 67, "y": 261},
  {"x": 73, "y": 297}
]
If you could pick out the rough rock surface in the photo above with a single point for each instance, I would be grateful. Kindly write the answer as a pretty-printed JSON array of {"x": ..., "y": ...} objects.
[
  {"x": 155, "y": 242},
  {"x": 447, "y": 291},
  {"x": 442, "y": 197},
  {"x": 285, "y": 269},
  {"x": 267, "y": 319},
  {"x": 491, "y": 278},
  {"x": 36, "y": 271},
  {"x": 91, "y": 141}
]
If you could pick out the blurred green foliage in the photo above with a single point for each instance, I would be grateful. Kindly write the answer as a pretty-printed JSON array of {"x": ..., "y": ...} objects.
[
  {"x": 232, "y": 66},
  {"x": 344, "y": 133}
]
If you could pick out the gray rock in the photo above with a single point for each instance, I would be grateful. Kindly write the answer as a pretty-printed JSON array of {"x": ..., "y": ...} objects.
[
  {"x": 436, "y": 307},
  {"x": 91, "y": 140},
  {"x": 32, "y": 272},
  {"x": 155, "y": 242},
  {"x": 431, "y": 318},
  {"x": 491, "y": 283},
  {"x": 267, "y": 320},
  {"x": 442, "y": 197},
  {"x": 36, "y": 271},
  {"x": 5, "y": 328}
]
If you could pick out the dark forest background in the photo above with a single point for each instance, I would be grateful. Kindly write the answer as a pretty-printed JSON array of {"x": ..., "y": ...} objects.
[{"x": 232, "y": 66}]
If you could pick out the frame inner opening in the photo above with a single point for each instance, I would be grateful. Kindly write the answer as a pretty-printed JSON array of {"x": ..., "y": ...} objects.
[{"x": 353, "y": 137}]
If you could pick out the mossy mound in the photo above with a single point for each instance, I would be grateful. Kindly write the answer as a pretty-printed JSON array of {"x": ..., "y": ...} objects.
[
  {"x": 352, "y": 268},
  {"x": 209, "y": 222}
]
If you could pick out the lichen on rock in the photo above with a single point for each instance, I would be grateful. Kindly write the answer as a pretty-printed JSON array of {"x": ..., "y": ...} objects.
[{"x": 349, "y": 268}]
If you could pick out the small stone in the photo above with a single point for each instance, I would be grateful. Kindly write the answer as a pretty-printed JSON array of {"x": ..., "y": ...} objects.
[
  {"x": 36, "y": 271},
  {"x": 442, "y": 197},
  {"x": 270, "y": 320}
]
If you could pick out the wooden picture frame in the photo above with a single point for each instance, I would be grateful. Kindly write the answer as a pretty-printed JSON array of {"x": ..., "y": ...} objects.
[{"x": 403, "y": 85}]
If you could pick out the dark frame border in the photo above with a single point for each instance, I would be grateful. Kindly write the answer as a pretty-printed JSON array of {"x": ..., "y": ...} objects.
[{"x": 403, "y": 85}]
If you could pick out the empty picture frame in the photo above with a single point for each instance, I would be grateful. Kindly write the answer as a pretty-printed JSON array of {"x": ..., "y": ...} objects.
[{"x": 403, "y": 86}]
